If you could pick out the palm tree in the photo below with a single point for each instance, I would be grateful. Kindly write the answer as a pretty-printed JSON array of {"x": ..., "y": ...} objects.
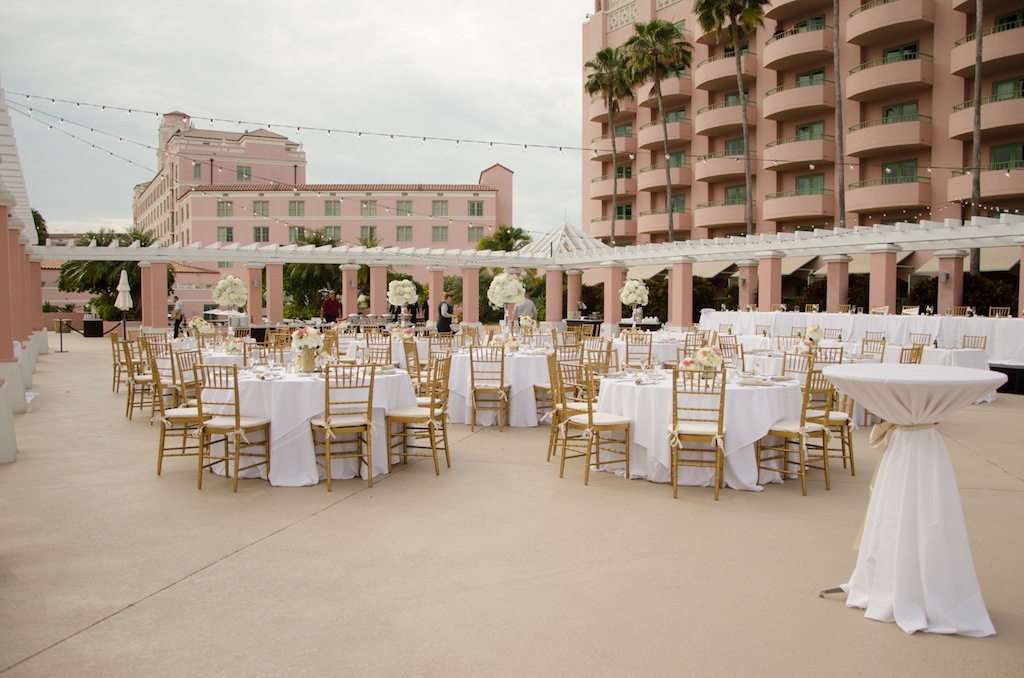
[
  {"x": 840, "y": 132},
  {"x": 658, "y": 51},
  {"x": 609, "y": 77},
  {"x": 744, "y": 17},
  {"x": 304, "y": 283},
  {"x": 506, "y": 238},
  {"x": 975, "y": 264}
]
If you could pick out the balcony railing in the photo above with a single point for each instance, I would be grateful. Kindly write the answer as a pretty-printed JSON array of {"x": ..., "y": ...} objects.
[
  {"x": 606, "y": 177},
  {"x": 891, "y": 60},
  {"x": 663, "y": 210},
  {"x": 806, "y": 137},
  {"x": 994, "y": 167},
  {"x": 652, "y": 123},
  {"x": 726, "y": 154},
  {"x": 797, "y": 193},
  {"x": 989, "y": 99},
  {"x": 794, "y": 85},
  {"x": 989, "y": 31},
  {"x": 869, "y": 5},
  {"x": 728, "y": 55},
  {"x": 886, "y": 181},
  {"x": 661, "y": 166},
  {"x": 796, "y": 31},
  {"x": 890, "y": 121},
  {"x": 606, "y": 137},
  {"x": 723, "y": 203},
  {"x": 723, "y": 104}
]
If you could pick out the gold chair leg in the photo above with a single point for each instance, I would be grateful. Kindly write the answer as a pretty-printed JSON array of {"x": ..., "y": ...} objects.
[
  {"x": 327, "y": 458},
  {"x": 369, "y": 457}
]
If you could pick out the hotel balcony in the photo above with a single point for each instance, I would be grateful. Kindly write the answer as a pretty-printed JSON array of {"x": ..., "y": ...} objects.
[
  {"x": 795, "y": 100},
  {"x": 890, "y": 77},
  {"x": 718, "y": 73},
  {"x": 993, "y": 6},
  {"x": 720, "y": 119},
  {"x": 602, "y": 146},
  {"x": 601, "y": 227},
  {"x": 798, "y": 205},
  {"x": 652, "y": 136},
  {"x": 888, "y": 21},
  {"x": 601, "y": 187},
  {"x": 652, "y": 179},
  {"x": 781, "y": 10},
  {"x": 790, "y": 152},
  {"x": 721, "y": 213},
  {"x": 656, "y": 221},
  {"x": 599, "y": 112},
  {"x": 997, "y": 182},
  {"x": 798, "y": 48},
  {"x": 876, "y": 195},
  {"x": 888, "y": 136},
  {"x": 722, "y": 166},
  {"x": 674, "y": 91},
  {"x": 999, "y": 114},
  {"x": 1003, "y": 50}
]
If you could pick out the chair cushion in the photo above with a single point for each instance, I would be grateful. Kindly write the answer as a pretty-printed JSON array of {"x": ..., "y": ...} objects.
[
  {"x": 339, "y": 421},
  {"x": 227, "y": 424},
  {"x": 792, "y": 426},
  {"x": 182, "y": 413},
  {"x": 424, "y": 401},
  {"x": 410, "y": 413},
  {"x": 546, "y": 386},
  {"x": 601, "y": 419},
  {"x": 695, "y": 428},
  {"x": 833, "y": 417}
]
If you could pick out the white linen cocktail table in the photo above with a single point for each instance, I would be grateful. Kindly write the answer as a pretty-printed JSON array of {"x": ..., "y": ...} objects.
[{"x": 914, "y": 566}]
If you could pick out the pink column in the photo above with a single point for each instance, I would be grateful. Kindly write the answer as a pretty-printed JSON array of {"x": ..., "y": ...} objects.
[
  {"x": 35, "y": 280},
  {"x": 747, "y": 272},
  {"x": 435, "y": 291},
  {"x": 951, "y": 279},
  {"x": 19, "y": 318},
  {"x": 614, "y": 276},
  {"x": 680, "y": 292},
  {"x": 470, "y": 295},
  {"x": 6, "y": 307},
  {"x": 838, "y": 275},
  {"x": 275, "y": 293},
  {"x": 157, "y": 295},
  {"x": 769, "y": 279},
  {"x": 254, "y": 283},
  {"x": 883, "y": 276},
  {"x": 145, "y": 270},
  {"x": 553, "y": 294},
  {"x": 379, "y": 289},
  {"x": 1020, "y": 294},
  {"x": 349, "y": 289},
  {"x": 573, "y": 291}
]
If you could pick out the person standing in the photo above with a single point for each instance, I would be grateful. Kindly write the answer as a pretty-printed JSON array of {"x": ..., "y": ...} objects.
[
  {"x": 177, "y": 315},
  {"x": 330, "y": 309},
  {"x": 526, "y": 308},
  {"x": 445, "y": 312}
]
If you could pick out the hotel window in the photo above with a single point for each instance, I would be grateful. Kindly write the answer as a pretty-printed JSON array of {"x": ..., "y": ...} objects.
[
  {"x": 677, "y": 115},
  {"x": 367, "y": 233},
  {"x": 296, "y": 208},
  {"x": 744, "y": 49},
  {"x": 333, "y": 233},
  {"x": 811, "y": 131},
  {"x": 814, "y": 23},
  {"x": 816, "y": 77},
  {"x": 368, "y": 208},
  {"x": 221, "y": 265},
  {"x": 901, "y": 53},
  {"x": 403, "y": 233},
  {"x": 735, "y": 195},
  {"x": 476, "y": 208},
  {"x": 625, "y": 130},
  {"x": 261, "y": 233},
  {"x": 439, "y": 208},
  {"x": 475, "y": 234},
  {"x": 677, "y": 159},
  {"x": 403, "y": 208},
  {"x": 295, "y": 233},
  {"x": 624, "y": 171},
  {"x": 810, "y": 184},
  {"x": 197, "y": 171},
  {"x": 1010, "y": 155},
  {"x": 243, "y": 173},
  {"x": 225, "y": 234},
  {"x": 1008, "y": 89},
  {"x": 678, "y": 204},
  {"x": 624, "y": 212},
  {"x": 225, "y": 208},
  {"x": 901, "y": 172},
  {"x": 734, "y": 147},
  {"x": 904, "y": 112},
  {"x": 261, "y": 208},
  {"x": 1008, "y": 21},
  {"x": 439, "y": 234},
  {"x": 733, "y": 98},
  {"x": 681, "y": 26},
  {"x": 332, "y": 208}
]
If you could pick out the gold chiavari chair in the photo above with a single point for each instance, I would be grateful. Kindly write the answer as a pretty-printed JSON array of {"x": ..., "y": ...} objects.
[
  {"x": 843, "y": 308},
  {"x": 638, "y": 350},
  {"x": 120, "y": 363},
  {"x": 179, "y": 424},
  {"x": 241, "y": 332},
  {"x": 586, "y": 330},
  {"x": 698, "y": 411},
  {"x": 134, "y": 333},
  {"x": 786, "y": 343},
  {"x": 762, "y": 330},
  {"x": 830, "y": 355},
  {"x": 880, "y": 310},
  {"x": 798, "y": 330},
  {"x": 998, "y": 311},
  {"x": 571, "y": 352},
  {"x": 840, "y": 420},
  {"x": 910, "y": 310},
  {"x": 974, "y": 341},
  {"x": 778, "y": 307},
  {"x": 832, "y": 333},
  {"x": 911, "y": 355},
  {"x": 876, "y": 336},
  {"x": 187, "y": 361},
  {"x": 920, "y": 338},
  {"x": 585, "y": 432},
  {"x": 597, "y": 352},
  {"x": 797, "y": 365},
  {"x": 139, "y": 379},
  {"x": 161, "y": 355},
  {"x": 727, "y": 340},
  {"x": 345, "y": 428},
  {"x": 425, "y": 421},
  {"x": 874, "y": 347},
  {"x": 224, "y": 424},
  {"x": 732, "y": 356},
  {"x": 811, "y": 308},
  {"x": 961, "y": 310},
  {"x": 488, "y": 388},
  {"x": 691, "y": 342},
  {"x": 379, "y": 354},
  {"x": 724, "y": 328},
  {"x": 420, "y": 376}
]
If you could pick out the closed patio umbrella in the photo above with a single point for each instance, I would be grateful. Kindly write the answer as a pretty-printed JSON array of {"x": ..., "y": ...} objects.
[{"x": 124, "y": 300}]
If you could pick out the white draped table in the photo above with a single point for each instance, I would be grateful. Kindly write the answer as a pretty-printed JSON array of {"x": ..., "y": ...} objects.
[
  {"x": 523, "y": 370},
  {"x": 914, "y": 566}
]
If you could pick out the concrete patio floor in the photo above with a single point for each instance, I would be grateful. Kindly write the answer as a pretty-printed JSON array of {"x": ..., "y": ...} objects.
[{"x": 495, "y": 568}]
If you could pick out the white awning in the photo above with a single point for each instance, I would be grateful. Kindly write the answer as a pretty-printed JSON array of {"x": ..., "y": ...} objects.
[
  {"x": 646, "y": 271},
  {"x": 861, "y": 263},
  {"x": 790, "y": 265},
  {"x": 993, "y": 259},
  {"x": 710, "y": 269}
]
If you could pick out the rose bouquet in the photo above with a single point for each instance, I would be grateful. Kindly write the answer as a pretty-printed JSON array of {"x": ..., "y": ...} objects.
[
  {"x": 634, "y": 293},
  {"x": 199, "y": 326},
  {"x": 402, "y": 333},
  {"x": 505, "y": 289},
  {"x": 527, "y": 323},
  {"x": 402, "y": 293},
  {"x": 804, "y": 346},
  {"x": 815, "y": 333},
  {"x": 230, "y": 291},
  {"x": 708, "y": 357},
  {"x": 307, "y": 337},
  {"x": 511, "y": 345},
  {"x": 232, "y": 345}
]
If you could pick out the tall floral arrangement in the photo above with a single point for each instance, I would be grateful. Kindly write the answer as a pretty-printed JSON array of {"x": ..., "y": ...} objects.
[
  {"x": 307, "y": 337},
  {"x": 815, "y": 333},
  {"x": 402, "y": 293},
  {"x": 634, "y": 293},
  {"x": 230, "y": 291},
  {"x": 505, "y": 289}
]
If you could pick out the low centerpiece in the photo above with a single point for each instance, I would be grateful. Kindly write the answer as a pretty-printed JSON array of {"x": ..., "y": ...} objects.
[
  {"x": 402, "y": 333},
  {"x": 527, "y": 324},
  {"x": 199, "y": 326},
  {"x": 233, "y": 345},
  {"x": 402, "y": 293},
  {"x": 307, "y": 341},
  {"x": 505, "y": 292},
  {"x": 705, "y": 358},
  {"x": 815, "y": 333},
  {"x": 634, "y": 293}
]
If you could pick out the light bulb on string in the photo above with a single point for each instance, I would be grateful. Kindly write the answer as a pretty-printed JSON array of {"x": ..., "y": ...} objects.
[
  {"x": 392, "y": 138},
  {"x": 129, "y": 111},
  {"x": 423, "y": 141},
  {"x": 53, "y": 102},
  {"x": 811, "y": 166},
  {"x": 524, "y": 148}
]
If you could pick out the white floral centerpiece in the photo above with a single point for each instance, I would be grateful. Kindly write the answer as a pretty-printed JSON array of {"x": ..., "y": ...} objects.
[
  {"x": 634, "y": 293},
  {"x": 230, "y": 291},
  {"x": 402, "y": 333},
  {"x": 804, "y": 346},
  {"x": 708, "y": 357},
  {"x": 527, "y": 324},
  {"x": 198, "y": 325},
  {"x": 511, "y": 345},
  {"x": 505, "y": 291},
  {"x": 307, "y": 342},
  {"x": 232, "y": 345},
  {"x": 815, "y": 333},
  {"x": 402, "y": 293}
]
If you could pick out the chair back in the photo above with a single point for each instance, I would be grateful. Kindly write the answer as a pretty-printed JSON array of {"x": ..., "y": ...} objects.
[
  {"x": 797, "y": 364},
  {"x": 412, "y": 364},
  {"x": 975, "y": 341},
  {"x": 724, "y": 328},
  {"x": 597, "y": 352},
  {"x": 911, "y": 310},
  {"x": 585, "y": 330},
  {"x": 732, "y": 356},
  {"x": 818, "y": 393},
  {"x": 786, "y": 343},
  {"x": 810, "y": 308},
  {"x": 487, "y": 366},
  {"x": 880, "y": 310},
  {"x": 217, "y": 392},
  {"x": 762, "y": 330},
  {"x": 911, "y": 355},
  {"x": 798, "y": 330},
  {"x": 998, "y": 311},
  {"x": 348, "y": 392},
  {"x": 437, "y": 385},
  {"x": 575, "y": 384},
  {"x": 832, "y": 355},
  {"x": 379, "y": 353},
  {"x": 691, "y": 342},
  {"x": 638, "y": 349},
  {"x": 873, "y": 347},
  {"x": 920, "y": 338},
  {"x": 241, "y": 332},
  {"x": 699, "y": 398},
  {"x": 877, "y": 336},
  {"x": 832, "y": 333},
  {"x": 188, "y": 377},
  {"x": 961, "y": 310},
  {"x": 727, "y": 340},
  {"x": 843, "y": 308},
  {"x": 117, "y": 349}
]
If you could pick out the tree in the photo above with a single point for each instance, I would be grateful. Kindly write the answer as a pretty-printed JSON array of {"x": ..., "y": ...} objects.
[
  {"x": 744, "y": 17},
  {"x": 41, "y": 233},
  {"x": 840, "y": 132},
  {"x": 609, "y": 77},
  {"x": 506, "y": 238},
  {"x": 101, "y": 277},
  {"x": 975, "y": 265},
  {"x": 305, "y": 283},
  {"x": 658, "y": 51}
]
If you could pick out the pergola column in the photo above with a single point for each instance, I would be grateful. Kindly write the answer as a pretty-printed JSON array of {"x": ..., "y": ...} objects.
[
  {"x": 746, "y": 270},
  {"x": 349, "y": 288},
  {"x": 378, "y": 289},
  {"x": 951, "y": 279},
  {"x": 883, "y": 276},
  {"x": 35, "y": 282},
  {"x": 573, "y": 290},
  {"x": 769, "y": 279},
  {"x": 1020, "y": 293},
  {"x": 6, "y": 273},
  {"x": 435, "y": 290},
  {"x": 275, "y": 293},
  {"x": 254, "y": 275},
  {"x": 680, "y": 292},
  {"x": 838, "y": 276},
  {"x": 17, "y": 255},
  {"x": 613, "y": 273},
  {"x": 146, "y": 274},
  {"x": 553, "y": 294},
  {"x": 470, "y": 295},
  {"x": 156, "y": 299}
]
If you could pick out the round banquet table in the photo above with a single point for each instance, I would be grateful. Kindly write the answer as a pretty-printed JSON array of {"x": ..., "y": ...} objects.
[
  {"x": 914, "y": 566},
  {"x": 523, "y": 370}
]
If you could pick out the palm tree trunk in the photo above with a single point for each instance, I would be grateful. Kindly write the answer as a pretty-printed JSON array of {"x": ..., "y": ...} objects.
[
  {"x": 668, "y": 170},
  {"x": 615, "y": 178},
  {"x": 975, "y": 266},
  {"x": 735, "y": 30},
  {"x": 840, "y": 129}
]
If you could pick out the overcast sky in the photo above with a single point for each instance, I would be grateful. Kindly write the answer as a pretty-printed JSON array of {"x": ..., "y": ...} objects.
[{"x": 464, "y": 69}]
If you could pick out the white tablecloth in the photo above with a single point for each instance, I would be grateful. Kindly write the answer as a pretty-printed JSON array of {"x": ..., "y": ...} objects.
[
  {"x": 522, "y": 372},
  {"x": 974, "y": 358},
  {"x": 749, "y": 412},
  {"x": 914, "y": 566},
  {"x": 397, "y": 350},
  {"x": 661, "y": 351}
]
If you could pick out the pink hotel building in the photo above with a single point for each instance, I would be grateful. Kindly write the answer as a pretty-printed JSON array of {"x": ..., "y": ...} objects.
[{"x": 907, "y": 71}]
